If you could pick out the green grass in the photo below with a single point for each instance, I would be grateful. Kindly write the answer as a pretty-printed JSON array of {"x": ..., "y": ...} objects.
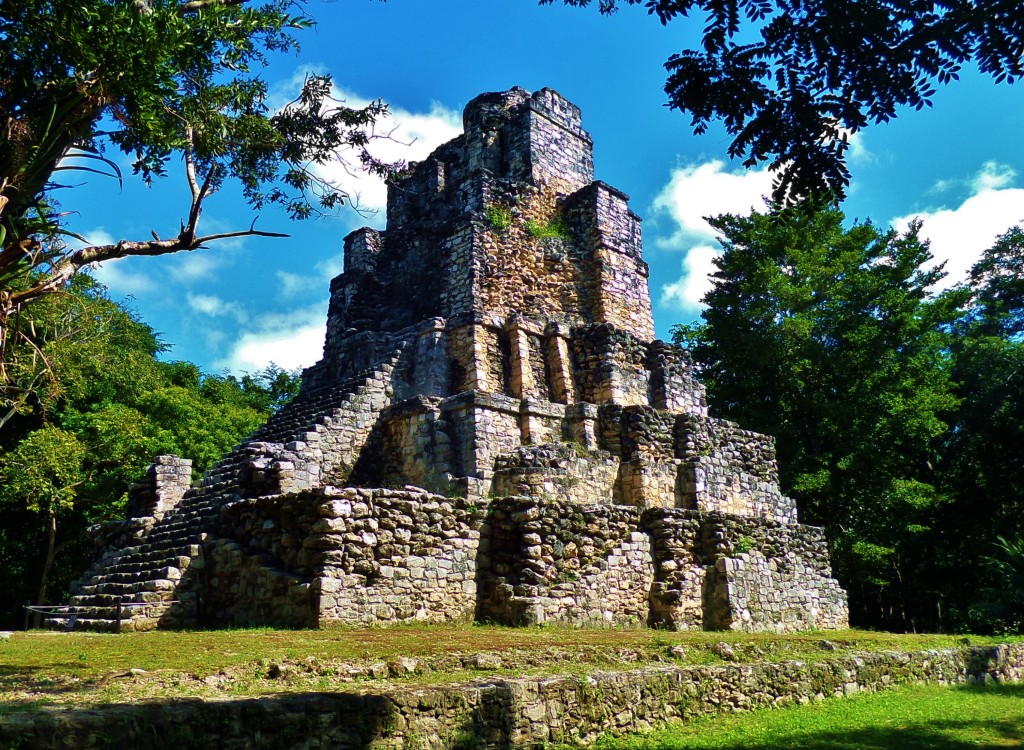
[
  {"x": 82, "y": 668},
  {"x": 909, "y": 718}
]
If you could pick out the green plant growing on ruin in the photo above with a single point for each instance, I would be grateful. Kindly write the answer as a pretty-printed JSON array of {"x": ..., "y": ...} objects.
[
  {"x": 743, "y": 545},
  {"x": 499, "y": 216},
  {"x": 553, "y": 228}
]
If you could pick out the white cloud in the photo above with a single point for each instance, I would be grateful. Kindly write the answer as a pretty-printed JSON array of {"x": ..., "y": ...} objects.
[
  {"x": 294, "y": 284},
  {"x": 290, "y": 340},
  {"x": 993, "y": 176},
  {"x": 405, "y": 136},
  {"x": 959, "y": 235},
  {"x": 686, "y": 292},
  {"x": 194, "y": 265},
  {"x": 857, "y": 152},
  {"x": 215, "y": 307},
  {"x": 694, "y": 192}
]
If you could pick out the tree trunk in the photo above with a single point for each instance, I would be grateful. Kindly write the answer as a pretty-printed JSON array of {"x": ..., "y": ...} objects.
[{"x": 51, "y": 551}]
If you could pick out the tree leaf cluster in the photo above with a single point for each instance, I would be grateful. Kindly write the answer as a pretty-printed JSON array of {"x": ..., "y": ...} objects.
[
  {"x": 792, "y": 80},
  {"x": 894, "y": 405},
  {"x": 158, "y": 80},
  {"x": 94, "y": 406}
]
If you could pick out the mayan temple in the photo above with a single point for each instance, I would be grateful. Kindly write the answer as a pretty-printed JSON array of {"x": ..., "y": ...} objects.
[{"x": 492, "y": 434}]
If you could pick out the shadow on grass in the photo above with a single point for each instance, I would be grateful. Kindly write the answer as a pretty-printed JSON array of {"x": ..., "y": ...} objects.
[{"x": 346, "y": 720}]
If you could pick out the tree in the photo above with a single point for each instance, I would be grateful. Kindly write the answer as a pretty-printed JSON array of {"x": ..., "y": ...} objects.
[
  {"x": 104, "y": 406},
  {"x": 831, "y": 340},
  {"x": 997, "y": 280},
  {"x": 982, "y": 457},
  {"x": 156, "y": 79},
  {"x": 43, "y": 474},
  {"x": 792, "y": 79}
]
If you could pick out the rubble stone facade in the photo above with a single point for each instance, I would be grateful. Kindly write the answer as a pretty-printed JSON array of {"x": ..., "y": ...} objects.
[{"x": 492, "y": 433}]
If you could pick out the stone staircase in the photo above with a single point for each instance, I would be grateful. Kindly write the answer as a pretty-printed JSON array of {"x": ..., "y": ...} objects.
[{"x": 142, "y": 580}]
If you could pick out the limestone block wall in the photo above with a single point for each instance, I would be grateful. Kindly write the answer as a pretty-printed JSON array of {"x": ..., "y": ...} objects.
[
  {"x": 412, "y": 445},
  {"x": 500, "y": 713},
  {"x": 243, "y": 589},
  {"x": 602, "y": 219},
  {"x": 562, "y": 470},
  {"x": 770, "y": 576},
  {"x": 555, "y": 561},
  {"x": 389, "y": 556},
  {"x": 259, "y": 566},
  {"x": 486, "y": 426},
  {"x": 680, "y": 568},
  {"x": 730, "y": 470},
  {"x": 673, "y": 384},
  {"x": 167, "y": 480},
  {"x": 560, "y": 149}
]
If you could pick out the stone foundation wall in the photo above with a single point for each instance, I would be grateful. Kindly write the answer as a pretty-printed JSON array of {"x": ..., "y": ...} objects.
[
  {"x": 518, "y": 712},
  {"x": 247, "y": 589},
  {"x": 730, "y": 470},
  {"x": 679, "y": 569},
  {"x": 560, "y": 562},
  {"x": 770, "y": 576},
  {"x": 389, "y": 556}
]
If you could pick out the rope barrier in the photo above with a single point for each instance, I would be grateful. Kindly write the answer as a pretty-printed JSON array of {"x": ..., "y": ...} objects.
[
  {"x": 72, "y": 613},
  {"x": 62, "y": 608}
]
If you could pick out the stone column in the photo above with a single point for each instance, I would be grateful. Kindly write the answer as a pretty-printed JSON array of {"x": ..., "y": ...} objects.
[
  {"x": 522, "y": 383},
  {"x": 560, "y": 361}
]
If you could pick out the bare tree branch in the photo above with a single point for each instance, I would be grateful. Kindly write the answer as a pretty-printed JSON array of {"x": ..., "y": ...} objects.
[{"x": 64, "y": 269}]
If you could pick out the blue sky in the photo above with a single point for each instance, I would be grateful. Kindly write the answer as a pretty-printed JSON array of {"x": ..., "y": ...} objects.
[{"x": 244, "y": 303}]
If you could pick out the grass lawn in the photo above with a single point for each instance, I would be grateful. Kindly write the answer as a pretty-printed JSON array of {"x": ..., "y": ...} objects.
[
  {"x": 66, "y": 669},
  {"x": 909, "y": 718}
]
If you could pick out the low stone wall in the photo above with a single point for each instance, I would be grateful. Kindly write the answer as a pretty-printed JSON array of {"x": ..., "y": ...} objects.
[{"x": 527, "y": 711}]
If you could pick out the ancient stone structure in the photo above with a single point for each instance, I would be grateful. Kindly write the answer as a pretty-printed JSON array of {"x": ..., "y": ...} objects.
[{"x": 492, "y": 433}]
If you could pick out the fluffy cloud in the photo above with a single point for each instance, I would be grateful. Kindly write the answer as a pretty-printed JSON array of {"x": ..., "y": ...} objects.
[
  {"x": 290, "y": 340},
  {"x": 694, "y": 192},
  {"x": 686, "y": 292},
  {"x": 959, "y": 235},
  {"x": 215, "y": 307},
  {"x": 403, "y": 136}
]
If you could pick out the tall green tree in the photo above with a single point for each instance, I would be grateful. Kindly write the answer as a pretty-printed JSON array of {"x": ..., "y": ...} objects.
[
  {"x": 832, "y": 340},
  {"x": 983, "y": 456},
  {"x": 791, "y": 79},
  {"x": 157, "y": 80},
  {"x": 101, "y": 405}
]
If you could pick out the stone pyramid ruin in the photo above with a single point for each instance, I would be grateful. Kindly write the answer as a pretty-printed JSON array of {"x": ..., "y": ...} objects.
[{"x": 493, "y": 434}]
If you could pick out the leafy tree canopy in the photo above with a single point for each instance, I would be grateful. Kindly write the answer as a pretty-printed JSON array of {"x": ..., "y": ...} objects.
[
  {"x": 95, "y": 407},
  {"x": 157, "y": 79},
  {"x": 829, "y": 339},
  {"x": 792, "y": 79}
]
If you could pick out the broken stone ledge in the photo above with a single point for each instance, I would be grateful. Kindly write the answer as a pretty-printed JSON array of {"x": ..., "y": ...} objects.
[{"x": 491, "y": 712}]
